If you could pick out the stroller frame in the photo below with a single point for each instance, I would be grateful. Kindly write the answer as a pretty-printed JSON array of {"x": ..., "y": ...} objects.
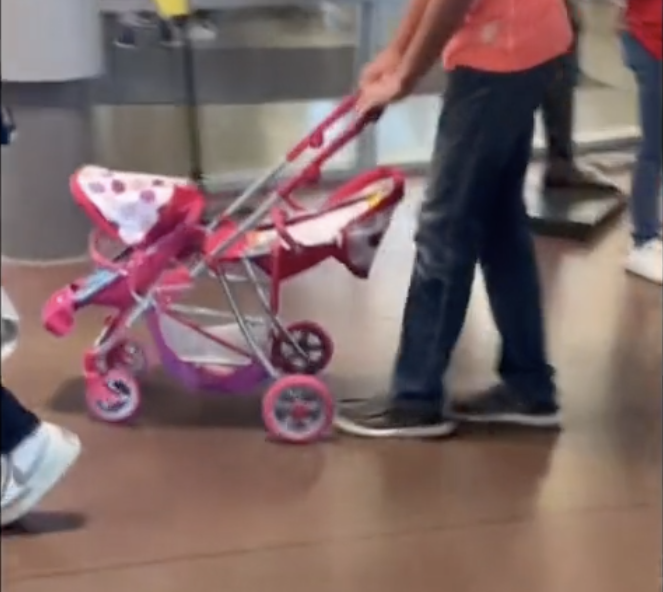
[{"x": 297, "y": 407}]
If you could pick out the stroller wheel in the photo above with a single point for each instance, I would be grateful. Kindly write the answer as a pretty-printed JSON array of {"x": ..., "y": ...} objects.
[
  {"x": 113, "y": 397},
  {"x": 128, "y": 355},
  {"x": 312, "y": 340},
  {"x": 298, "y": 409}
]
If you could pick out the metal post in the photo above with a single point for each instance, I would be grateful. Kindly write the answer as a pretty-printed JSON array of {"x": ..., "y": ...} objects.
[
  {"x": 367, "y": 44},
  {"x": 190, "y": 100}
]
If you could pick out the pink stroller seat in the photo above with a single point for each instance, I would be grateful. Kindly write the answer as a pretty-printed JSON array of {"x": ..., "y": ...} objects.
[
  {"x": 140, "y": 211},
  {"x": 349, "y": 226}
]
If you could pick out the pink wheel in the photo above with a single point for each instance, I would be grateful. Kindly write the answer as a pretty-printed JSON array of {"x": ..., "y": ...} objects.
[
  {"x": 127, "y": 355},
  {"x": 113, "y": 397},
  {"x": 314, "y": 343},
  {"x": 298, "y": 409}
]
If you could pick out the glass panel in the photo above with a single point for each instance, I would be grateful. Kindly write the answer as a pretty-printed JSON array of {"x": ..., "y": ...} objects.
[
  {"x": 406, "y": 132},
  {"x": 390, "y": 14},
  {"x": 258, "y": 81},
  {"x": 325, "y": 25},
  {"x": 235, "y": 139}
]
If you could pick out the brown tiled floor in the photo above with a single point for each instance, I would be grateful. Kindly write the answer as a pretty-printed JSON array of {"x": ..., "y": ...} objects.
[{"x": 194, "y": 498}]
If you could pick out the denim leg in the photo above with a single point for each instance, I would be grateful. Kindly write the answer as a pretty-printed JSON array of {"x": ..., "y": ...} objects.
[
  {"x": 557, "y": 111},
  {"x": 508, "y": 260},
  {"x": 17, "y": 422},
  {"x": 645, "y": 200},
  {"x": 558, "y": 106},
  {"x": 483, "y": 118},
  {"x": 575, "y": 19}
]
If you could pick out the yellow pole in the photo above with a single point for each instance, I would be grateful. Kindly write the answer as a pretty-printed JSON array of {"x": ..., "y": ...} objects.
[{"x": 173, "y": 8}]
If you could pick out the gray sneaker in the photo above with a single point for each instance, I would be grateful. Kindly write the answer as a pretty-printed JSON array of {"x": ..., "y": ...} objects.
[
  {"x": 386, "y": 418},
  {"x": 502, "y": 405}
]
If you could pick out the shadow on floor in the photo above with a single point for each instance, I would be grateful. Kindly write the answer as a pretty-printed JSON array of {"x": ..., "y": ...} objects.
[
  {"x": 44, "y": 523},
  {"x": 166, "y": 403}
]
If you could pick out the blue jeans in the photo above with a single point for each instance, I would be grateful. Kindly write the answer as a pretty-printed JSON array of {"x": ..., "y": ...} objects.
[
  {"x": 558, "y": 105},
  {"x": 474, "y": 213},
  {"x": 645, "y": 200},
  {"x": 17, "y": 422}
]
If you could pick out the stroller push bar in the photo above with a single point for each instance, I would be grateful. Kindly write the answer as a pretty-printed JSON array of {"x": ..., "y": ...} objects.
[{"x": 316, "y": 140}]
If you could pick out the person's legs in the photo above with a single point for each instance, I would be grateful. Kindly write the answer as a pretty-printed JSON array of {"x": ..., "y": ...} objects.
[
  {"x": 483, "y": 121},
  {"x": 508, "y": 258},
  {"x": 557, "y": 111},
  {"x": 527, "y": 393},
  {"x": 558, "y": 114},
  {"x": 646, "y": 258},
  {"x": 169, "y": 34},
  {"x": 557, "y": 108},
  {"x": 35, "y": 456},
  {"x": 126, "y": 24}
]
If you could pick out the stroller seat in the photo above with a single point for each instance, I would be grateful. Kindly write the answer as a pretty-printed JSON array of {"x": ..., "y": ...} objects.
[
  {"x": 135, "y": 208},
  {"x": 349, "y": 227}
]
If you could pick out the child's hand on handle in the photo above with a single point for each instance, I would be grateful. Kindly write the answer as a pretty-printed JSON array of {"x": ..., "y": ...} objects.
[
  {"x": 381, "y": 92},
  {"x": 385, "y": 62}
]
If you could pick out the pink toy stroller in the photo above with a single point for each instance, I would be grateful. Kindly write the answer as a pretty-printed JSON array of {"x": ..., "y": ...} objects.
[{"x": 165, "y": 248}]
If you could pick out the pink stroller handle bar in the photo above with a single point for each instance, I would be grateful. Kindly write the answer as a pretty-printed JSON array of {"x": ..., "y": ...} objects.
[
  {"x": 314, "y": 140},
  {"x": 309, "y": 174},
  {"x": 317, "y": 141}
]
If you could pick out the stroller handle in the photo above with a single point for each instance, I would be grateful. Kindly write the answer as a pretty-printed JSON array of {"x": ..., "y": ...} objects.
[{"x": 316, "y": 140}]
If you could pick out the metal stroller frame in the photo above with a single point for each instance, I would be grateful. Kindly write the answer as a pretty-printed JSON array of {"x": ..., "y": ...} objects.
[{"x": 269, "y": 321}]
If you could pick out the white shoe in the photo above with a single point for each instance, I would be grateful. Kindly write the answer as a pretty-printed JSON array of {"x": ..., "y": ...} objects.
[
  {"x": 202, "y": 31},
  {"x": 646, "y": 261},
  {"x": 34, "y": 468}
]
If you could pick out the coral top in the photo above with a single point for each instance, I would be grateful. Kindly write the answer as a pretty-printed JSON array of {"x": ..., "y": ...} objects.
[{"x": 510, "y": 35}]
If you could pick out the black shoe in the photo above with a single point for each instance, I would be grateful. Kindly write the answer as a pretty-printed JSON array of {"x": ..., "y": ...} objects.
[
  {"x": 384, "y": 418},
  {"x": 567, "y": 175},
  {"x": 126, "y": 38},
  {"x": 501, "y": 404}
]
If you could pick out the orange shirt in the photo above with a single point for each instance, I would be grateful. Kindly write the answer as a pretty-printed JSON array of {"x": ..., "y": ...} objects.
[{"x": 510, "y": 35}]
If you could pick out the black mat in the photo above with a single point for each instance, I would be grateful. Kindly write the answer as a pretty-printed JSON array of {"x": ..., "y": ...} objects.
[
  {"x": 571, "y": 214},
  {"x": 576, "y": 214}
]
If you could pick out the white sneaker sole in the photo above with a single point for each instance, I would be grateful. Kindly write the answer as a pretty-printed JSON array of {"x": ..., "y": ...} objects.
[
  {"x": 639, "y": 272},
  {"x": 58, "y": 458},
  {"x": 351, "y": 428}
]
